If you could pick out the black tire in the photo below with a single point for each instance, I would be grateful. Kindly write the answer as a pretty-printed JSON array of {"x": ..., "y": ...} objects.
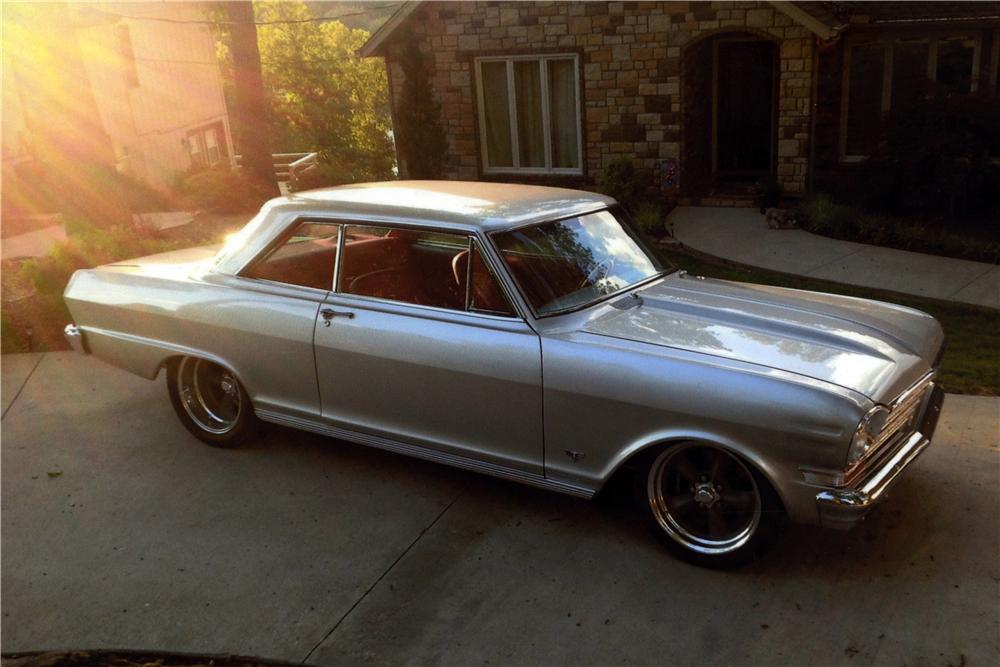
[
  {"x": 707, "y": 505},
  {"x": 211, "y": 402}
]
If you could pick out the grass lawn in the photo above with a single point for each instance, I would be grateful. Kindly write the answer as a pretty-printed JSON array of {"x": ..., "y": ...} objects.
[{"x": 971, "y": 363}]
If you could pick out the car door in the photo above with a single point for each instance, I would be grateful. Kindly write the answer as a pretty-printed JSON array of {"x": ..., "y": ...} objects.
[
  {"x": 420, "y": 345},
  {"x": 270, "y": 318}
]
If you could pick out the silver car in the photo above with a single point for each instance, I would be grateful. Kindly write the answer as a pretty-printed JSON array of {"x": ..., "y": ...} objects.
[{"x": 527, "y": 333}]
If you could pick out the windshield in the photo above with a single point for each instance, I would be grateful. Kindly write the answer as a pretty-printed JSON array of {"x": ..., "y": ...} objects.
[{"x": 571, "y": 263}]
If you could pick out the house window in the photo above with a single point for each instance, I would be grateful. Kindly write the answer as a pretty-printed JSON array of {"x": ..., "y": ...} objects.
[
  {"x": 195, "y": 150},
  {"x": 956, "y": 63},
  {"x": 212, "y": 146},
  {"x": 895, "y": 72},
  {"x": 206, "y": 145},
  {"x": 864, "y": 98},
  {"x": 529, "y": 114}
]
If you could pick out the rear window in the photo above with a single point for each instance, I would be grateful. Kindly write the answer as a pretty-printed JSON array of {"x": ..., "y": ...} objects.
[{"x": 307, "y": 258}]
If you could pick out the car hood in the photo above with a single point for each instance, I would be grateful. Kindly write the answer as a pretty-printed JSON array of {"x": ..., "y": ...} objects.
[{"x": 874, "y": 348}]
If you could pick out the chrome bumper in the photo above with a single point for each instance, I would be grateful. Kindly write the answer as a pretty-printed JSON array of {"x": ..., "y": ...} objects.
[
  {"x": 74, "y": 336},
  {"x": 843, "y": 507}
]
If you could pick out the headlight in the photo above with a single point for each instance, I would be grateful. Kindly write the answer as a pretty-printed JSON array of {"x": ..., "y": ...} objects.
[{"x": 867, "y": 433}]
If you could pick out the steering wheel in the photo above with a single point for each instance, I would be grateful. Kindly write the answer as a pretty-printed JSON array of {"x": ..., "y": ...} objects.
[{"x": 600, "y": 270}]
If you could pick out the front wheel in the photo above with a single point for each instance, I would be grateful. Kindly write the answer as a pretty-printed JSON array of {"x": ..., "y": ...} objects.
[
  {"x": 210, "y": 402},
  {"x": 707, "y": 505}
]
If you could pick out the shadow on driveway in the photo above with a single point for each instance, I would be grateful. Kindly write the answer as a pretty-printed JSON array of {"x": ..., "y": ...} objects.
[{"x": 300, "y": 548}]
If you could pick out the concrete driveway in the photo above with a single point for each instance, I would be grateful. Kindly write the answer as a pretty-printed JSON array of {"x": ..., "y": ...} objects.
[{"x": 122, "y": 531}]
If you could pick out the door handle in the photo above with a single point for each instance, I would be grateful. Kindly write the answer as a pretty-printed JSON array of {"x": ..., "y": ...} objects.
[{"x": 328, "y": 314}]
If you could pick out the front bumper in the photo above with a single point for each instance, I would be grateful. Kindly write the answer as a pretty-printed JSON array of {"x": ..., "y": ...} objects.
[
  {"x": 843, "y": 507},
  {"x": 74, "y": 336}
]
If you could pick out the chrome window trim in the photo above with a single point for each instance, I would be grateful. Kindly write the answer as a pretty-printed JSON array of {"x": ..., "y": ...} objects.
[
  {"x": 488, "y": 261},
  {"x": 468, "y": 275},
  {"x": 280, "y": 240},
  {"x": 566, "y": 311},
  {"x": 309, "y": 293},
  {"x": 341, "y": 219},
  {"x": 390, "y": 306},
  {"x": 470, "y": 235}
]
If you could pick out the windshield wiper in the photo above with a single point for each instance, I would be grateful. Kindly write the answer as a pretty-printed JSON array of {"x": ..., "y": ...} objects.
[{"x": 632, "y": 300}]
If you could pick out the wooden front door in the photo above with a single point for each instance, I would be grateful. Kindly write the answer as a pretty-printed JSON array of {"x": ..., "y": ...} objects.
[{"x": 744, "y": 108}]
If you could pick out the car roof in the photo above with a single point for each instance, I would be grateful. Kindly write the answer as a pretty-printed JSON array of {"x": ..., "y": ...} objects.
[
  {"x": 463, "y": 205},
  {"x": 468, "y": 204}
]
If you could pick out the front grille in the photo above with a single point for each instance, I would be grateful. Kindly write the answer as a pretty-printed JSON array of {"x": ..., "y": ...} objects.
[
  {"x": 901, "y": 423},
  {"x": 903, "y": 412}
]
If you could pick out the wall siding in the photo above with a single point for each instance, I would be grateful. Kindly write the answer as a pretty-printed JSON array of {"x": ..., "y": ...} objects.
[{"x": 632, "y": 63}]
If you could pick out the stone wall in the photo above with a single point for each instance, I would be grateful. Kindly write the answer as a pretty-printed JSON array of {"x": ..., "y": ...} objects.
[{"x": 632, "y": 64}]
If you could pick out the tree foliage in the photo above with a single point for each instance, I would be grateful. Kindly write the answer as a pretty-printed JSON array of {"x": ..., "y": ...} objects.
[
  {"x": 321, "y": 96},
  {"x": 422, "y": 142}
]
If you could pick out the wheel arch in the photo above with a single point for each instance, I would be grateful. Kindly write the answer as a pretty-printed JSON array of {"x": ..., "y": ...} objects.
[
  {"x": 626, "y": 462},
  {"x": 215, "y": 359}
]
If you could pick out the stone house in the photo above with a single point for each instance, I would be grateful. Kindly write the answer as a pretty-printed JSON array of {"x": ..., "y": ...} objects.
[{"x": 713, "y": 94}]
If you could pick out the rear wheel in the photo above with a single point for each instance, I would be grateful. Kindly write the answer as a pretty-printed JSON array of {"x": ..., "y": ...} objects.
[
  {"x": 210, "y": 401},
  {"x": 707, "y": 505}
]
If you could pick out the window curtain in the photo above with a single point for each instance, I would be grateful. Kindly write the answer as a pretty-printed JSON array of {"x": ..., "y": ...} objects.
[
  {"x": 562, "y": 114},
  {"x": 954, "y": 63},
  {"x": 909, "y": 73},
  {"x": 497, "y": 113},
  {"x": 864, "y": 98},
  {"x": 528, "y": 97}
]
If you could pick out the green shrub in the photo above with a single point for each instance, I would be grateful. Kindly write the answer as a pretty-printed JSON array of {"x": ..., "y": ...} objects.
[
  {"x": 420, "y": 136},
  {"x": 10, "y": 336},
  {"x": 221, "y": 189},
  {"x": 820, "y": 214},
  {"x": 935, "y": 155},
  {"x": 649, "y": 218},
  {"x": 88, "y": 246},
  {"x": 619, "y": 180},
  {"x": 143, "y": 198},
  {"x": 323, "y": 175}
]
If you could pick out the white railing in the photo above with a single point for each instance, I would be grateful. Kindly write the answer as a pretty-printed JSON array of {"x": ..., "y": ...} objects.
[{"x": 288, "y": 165}]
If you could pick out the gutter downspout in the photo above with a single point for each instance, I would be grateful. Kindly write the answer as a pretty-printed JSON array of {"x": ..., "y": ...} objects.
[{"x": 813, "y": 108}]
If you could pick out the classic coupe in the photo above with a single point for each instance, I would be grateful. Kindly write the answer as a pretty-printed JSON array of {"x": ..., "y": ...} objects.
[{"x": 528, "y": 333}]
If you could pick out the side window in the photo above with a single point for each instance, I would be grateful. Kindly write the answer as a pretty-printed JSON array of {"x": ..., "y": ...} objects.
[
  {"x": 485, "y": 295},
  {"x": 306, "y": 258},
  {"x": 411, "y": 266}
]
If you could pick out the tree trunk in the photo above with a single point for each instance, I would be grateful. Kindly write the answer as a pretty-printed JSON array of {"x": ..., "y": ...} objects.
[{"x": 251, "y": 109}]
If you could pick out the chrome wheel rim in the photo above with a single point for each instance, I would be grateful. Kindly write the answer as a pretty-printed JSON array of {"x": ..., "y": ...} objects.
[
  {"x": 704, "y": 498},
  {"x": 210, "y": 395}
]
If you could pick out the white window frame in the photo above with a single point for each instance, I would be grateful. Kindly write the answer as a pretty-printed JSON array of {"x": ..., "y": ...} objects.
[
  {"x": 196, "y": 150},
  {"x": 888, "y": 42},
  {"x": 213, "y": 135},
  {"x": 512, "y": 111}
]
